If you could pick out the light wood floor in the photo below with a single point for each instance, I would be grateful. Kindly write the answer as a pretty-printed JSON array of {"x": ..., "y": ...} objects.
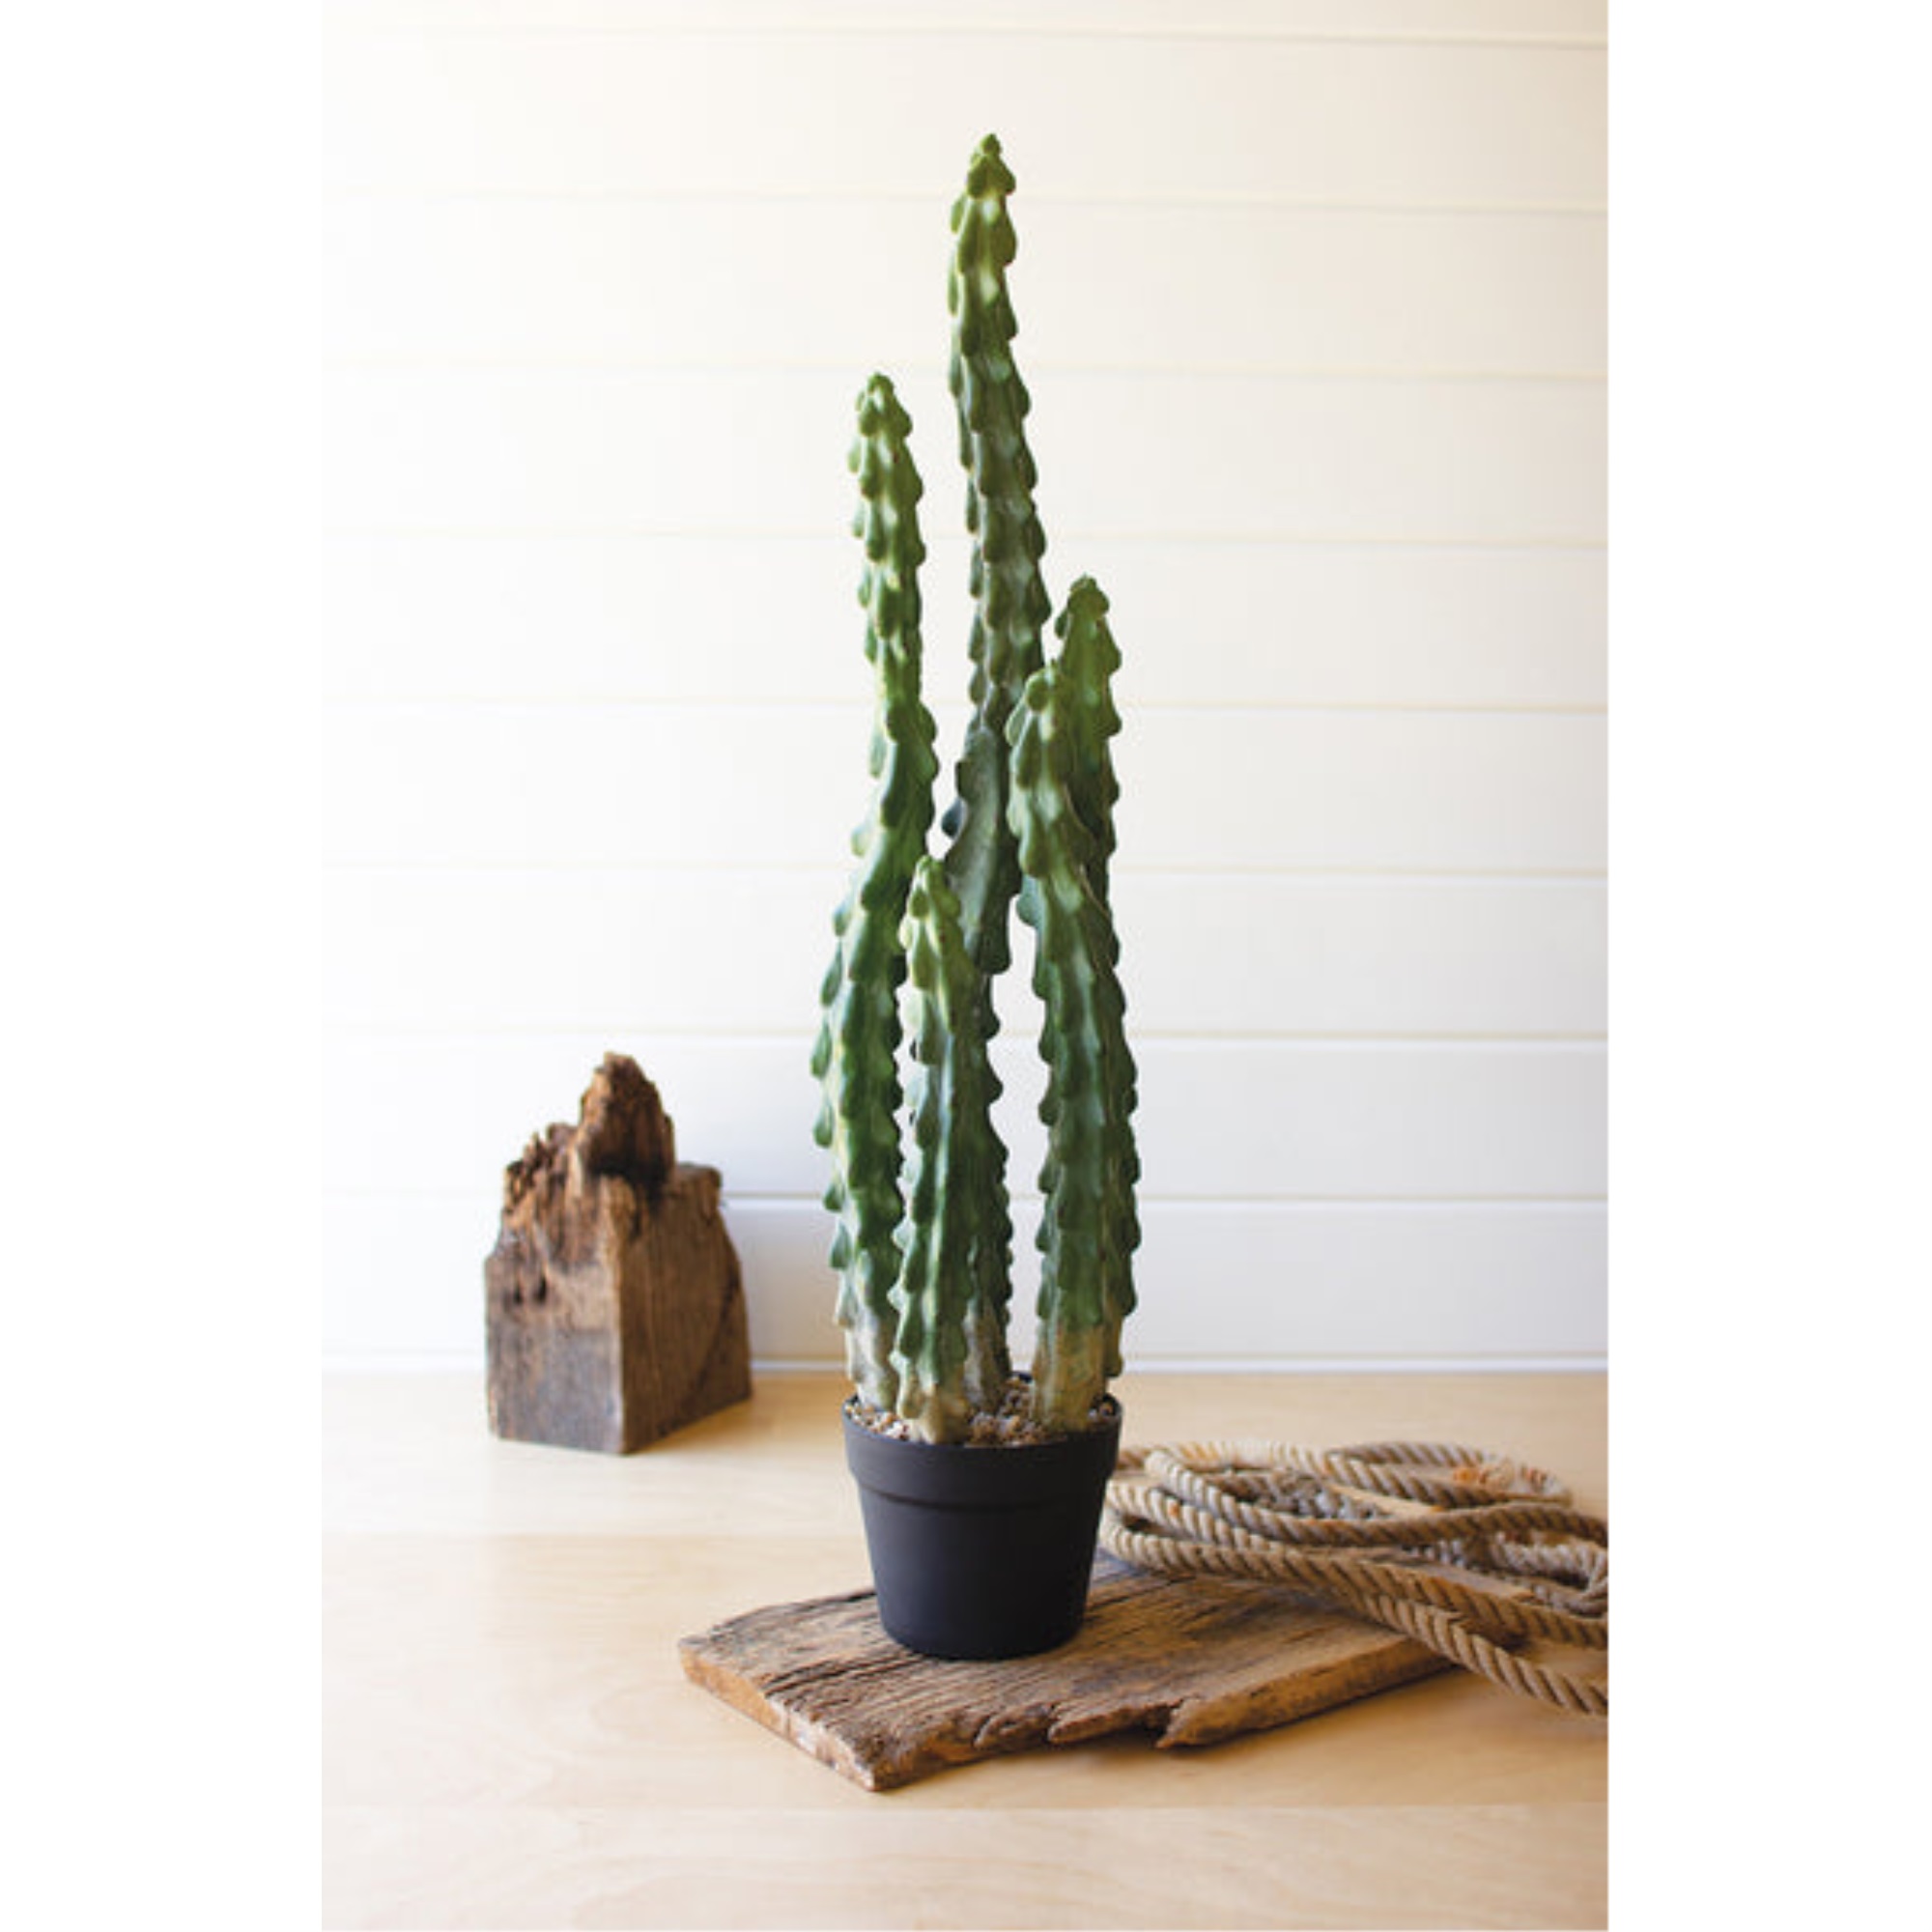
[{"x": 509, "y": 1740}]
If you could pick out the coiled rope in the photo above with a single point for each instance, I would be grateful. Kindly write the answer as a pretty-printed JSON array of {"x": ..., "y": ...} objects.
[{"x": 1468, "y": 1553}]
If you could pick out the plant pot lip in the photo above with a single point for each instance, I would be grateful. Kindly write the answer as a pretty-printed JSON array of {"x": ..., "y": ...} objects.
[
  {"x": 1081, "y": 1443},
  {"x": 984, "y": 1476}
]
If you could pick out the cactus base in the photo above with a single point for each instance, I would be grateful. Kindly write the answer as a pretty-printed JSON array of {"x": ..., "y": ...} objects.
[{"x": 981, "y": 1553}]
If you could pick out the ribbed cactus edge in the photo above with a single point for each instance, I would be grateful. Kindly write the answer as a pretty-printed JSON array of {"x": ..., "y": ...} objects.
[
  {"x": 1089, "y": 1226},
  {"x": 951, "y": 1354},
  {"x": 856, "y": 1058},
  {"x": 1008, "y": 593},
  {"x": 1010, "y": 600}
]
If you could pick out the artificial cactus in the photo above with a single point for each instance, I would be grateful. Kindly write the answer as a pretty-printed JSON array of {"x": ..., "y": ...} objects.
[
  {"x": 925, "y": 1266},
  {"x": 1010, "y": 605},
  {"x": 952, "y": 1289},
  {"x": 1086, "y": 663},
  {"x": 1088, "y": 659},
  {"x": 1088, "y": 1225},
  {"x": 1010, "y": 600},
  {"x": 857, "y": 1055}
]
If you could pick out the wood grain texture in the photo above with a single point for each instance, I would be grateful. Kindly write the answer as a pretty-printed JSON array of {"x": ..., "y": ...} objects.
[
  {"x": 1192, "y": 1663},
  {"x": 1544, "y": 22},
  {"x": 510, "y": 1741},
  {"x": 1237, "y": 1865},
  {"x": 615, "y": 1303}
]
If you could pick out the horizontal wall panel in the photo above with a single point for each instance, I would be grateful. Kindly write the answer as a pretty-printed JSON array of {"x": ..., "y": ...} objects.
[
  {"x": 676, "y": 618},
  {"x": 1215, "y": 954},
  {"x": 807, "y": 114},
  {"x": 520, "y": 785},
  {"x": 404, "y": 1272},
  {"x": 409, "y": 1268},
  {"x": 1312, "y": 298},
  {"x": 1254, "y": 1119},
  {"x": 634, "y": 953},
  {"x": 1540, "y": 20},
  {"x": 1309, "y": 1284},
  {"x": 1348, "y": 1283},
  {"x": 746, "y": 452},
  {"x": 1334, "y": 624},
  {"x": 702, "y": 282}
]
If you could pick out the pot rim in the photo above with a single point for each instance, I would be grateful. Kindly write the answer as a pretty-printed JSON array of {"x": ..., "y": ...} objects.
[
  {"x": 989, "y": 1475},
  {"x": 1108, "y": 1424}
]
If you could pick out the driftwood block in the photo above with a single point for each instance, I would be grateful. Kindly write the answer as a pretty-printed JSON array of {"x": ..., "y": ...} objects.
[
  {"x": 615, "y": 1306},
  {"x": 1193, "y": 1661}
]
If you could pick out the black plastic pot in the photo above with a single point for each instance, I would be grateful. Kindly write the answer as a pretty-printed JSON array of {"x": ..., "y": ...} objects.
[{"x": 980, "y": 1552}]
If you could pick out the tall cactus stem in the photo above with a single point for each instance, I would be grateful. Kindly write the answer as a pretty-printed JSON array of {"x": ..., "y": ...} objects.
[
  {"x": 1010, "y": 605},
  {"x": 856, "y": 1056},
  {"x": 951, "y": 1355},
  {"x": 1089, "y": 1228},
  {"x": 1086, "y": 664},
  {"x": 1088, "y": 659}
]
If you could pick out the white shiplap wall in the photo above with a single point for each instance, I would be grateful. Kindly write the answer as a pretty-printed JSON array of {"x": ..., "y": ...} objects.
[{"x": 1312, "y": 304}]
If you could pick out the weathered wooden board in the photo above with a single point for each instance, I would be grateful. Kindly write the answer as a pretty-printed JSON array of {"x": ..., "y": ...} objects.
[{"x": 1191, "y": 1661}]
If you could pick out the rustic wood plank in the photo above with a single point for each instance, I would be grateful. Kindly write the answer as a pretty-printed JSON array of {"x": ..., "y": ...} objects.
[{"x": 1190, "y": 1662}]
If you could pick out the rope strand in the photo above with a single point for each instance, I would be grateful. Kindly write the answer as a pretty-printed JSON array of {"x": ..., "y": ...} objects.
[{"x": 1465, "y": 1553}]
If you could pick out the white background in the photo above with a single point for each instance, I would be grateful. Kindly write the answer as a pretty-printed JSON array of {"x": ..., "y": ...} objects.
[{"x": 1312, "y": 304}]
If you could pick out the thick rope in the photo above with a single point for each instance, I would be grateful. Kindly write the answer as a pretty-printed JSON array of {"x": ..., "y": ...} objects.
[{"x": 1467, "y": 1553}]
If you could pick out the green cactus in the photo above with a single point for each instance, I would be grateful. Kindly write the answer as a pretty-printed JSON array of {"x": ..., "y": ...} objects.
[
  {"x": 952, "y": 1289},
  {"x": 856, "y": 1057},
  {"x": 1010, "y": 601},
  {"x": 926, "y": 1268},
  {"x": 1089, "y": 1229},
  {"x": 1088, "y": 659}
]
